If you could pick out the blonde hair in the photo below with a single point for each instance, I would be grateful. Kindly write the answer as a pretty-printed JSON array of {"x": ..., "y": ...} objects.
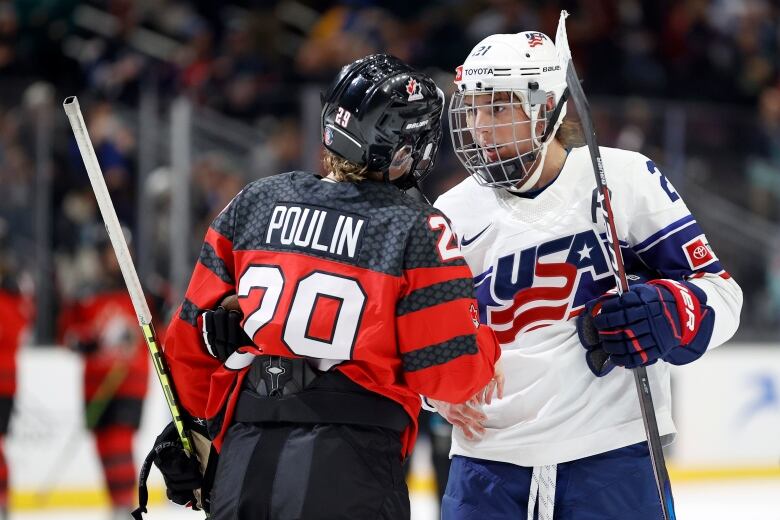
[
  {"x": 342, "y": 169},
  {"x": 569, "y": 134}
]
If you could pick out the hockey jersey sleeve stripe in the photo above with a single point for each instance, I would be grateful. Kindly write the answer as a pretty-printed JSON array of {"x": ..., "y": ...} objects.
[
  {"x": 668, "y": 256},
  {"x": 424, "y": 276},
  {"x": 211, "y": 260},
  {"x": 663, "y": 233},
  {"x": 435, "y": 294},
  {"x": 426, "y": 327},
  {"x": 189, "y": 312},
  {"x": 440, "y": 353}
]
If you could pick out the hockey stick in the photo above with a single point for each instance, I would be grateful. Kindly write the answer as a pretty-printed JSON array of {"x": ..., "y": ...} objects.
[
  {"x": 618, "y": 269},
  {"x": 73, "y": 111}
]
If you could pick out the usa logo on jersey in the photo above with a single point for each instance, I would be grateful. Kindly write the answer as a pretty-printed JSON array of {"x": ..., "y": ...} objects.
[{"x": 541, "y": 285}]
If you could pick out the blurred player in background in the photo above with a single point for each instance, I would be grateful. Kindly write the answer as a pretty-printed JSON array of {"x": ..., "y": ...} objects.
[
  {"x": 353, "y": 300},
  {"x": 15, "y": 314},
  {"x": 530, "y": 228},
  {"x": 103, "y": 327}
]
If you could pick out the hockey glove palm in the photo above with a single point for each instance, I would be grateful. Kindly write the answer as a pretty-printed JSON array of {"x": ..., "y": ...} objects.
[
  {"x": 222, "y": 332},
  {"x": 179, "y": 470},
  {"x": 662, "y": 319}
]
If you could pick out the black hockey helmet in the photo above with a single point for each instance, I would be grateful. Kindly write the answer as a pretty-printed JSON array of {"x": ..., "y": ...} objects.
[{"x": 376, "y": 106}]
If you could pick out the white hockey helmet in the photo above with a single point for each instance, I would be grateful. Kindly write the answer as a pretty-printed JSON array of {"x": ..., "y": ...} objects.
[{"x": 527, "y": 67}]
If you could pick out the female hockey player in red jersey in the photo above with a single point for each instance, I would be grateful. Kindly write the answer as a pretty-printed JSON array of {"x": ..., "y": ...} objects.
[
  {"x": 103, "y": 326},
  {"x": 354, "y": 299},
  {"x": 568, "y": 428},
  {"x": 15, "y": 313}
]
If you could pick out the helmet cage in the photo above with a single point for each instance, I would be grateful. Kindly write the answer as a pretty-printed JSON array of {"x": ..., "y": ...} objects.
[{"x": 519, "y": 156}]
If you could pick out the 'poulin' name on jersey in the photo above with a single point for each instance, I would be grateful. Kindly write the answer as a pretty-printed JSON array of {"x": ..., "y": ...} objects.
[{"x": 318, "y": 230}]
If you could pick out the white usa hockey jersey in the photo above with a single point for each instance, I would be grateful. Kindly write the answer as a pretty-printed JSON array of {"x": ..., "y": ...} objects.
[{"x": 536, "y": 262}]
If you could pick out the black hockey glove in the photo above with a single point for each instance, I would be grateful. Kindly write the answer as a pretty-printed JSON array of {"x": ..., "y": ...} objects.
[
  {"x": 81, "y": 346},
  {"x": 222, "y": 332},
  {"x": 179, "y": 470}
]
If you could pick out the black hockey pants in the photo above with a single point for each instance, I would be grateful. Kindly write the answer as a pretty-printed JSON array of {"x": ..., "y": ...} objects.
[{"x": 284, "y": 471}]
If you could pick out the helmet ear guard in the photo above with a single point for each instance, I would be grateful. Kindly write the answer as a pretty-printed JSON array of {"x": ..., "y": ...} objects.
[{"x": 552, "y": 117}]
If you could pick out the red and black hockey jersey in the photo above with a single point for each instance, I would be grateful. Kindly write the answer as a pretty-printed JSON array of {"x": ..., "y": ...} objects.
[
  {"x": 108, "y": 320},
  {"x": 356, "y": 273},
  {"x": 15, "y": 312}
]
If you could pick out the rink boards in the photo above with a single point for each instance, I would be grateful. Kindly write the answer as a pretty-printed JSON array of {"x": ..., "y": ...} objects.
[{"x": 727, "y": 411}]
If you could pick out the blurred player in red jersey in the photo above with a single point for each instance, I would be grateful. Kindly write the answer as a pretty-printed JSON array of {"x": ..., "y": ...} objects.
[
  {"x": 15, "y": 313},
  {"x": 354, "y": 300},
  {"x": 104, "y": 328}
]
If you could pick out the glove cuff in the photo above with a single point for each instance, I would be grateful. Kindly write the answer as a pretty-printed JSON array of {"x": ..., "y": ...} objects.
[
  {"x": 696, "y": 346},
  {"x": 689, "y": 309}
]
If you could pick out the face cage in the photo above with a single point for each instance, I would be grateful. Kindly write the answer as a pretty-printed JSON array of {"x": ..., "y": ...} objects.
[{"x": 503, "y": 172}]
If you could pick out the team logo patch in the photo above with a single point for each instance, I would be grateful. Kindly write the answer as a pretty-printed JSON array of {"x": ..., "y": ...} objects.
[
  {"x": 413, "y": 89},
  {"x": 459, "y": 73},
  {"x": 535, "y": 38},
  {"x": 539, "y": 286},
  {"x": 474, "y": 315},
  {"x": 328, "y": 136},
  {"x": 698, "y": 253}
]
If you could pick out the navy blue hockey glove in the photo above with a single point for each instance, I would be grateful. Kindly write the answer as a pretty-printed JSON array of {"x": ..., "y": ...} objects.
[
  {"x": 180, "y": 471},
  {"x": 661, "y": 319},
  {"x": 222, "y": 332}
]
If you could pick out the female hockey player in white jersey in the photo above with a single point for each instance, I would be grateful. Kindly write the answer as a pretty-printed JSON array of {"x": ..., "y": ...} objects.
[{"x": 531, "y": 231}]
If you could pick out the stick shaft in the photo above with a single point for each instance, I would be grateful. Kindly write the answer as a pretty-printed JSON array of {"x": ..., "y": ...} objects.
[
  {"x": 641, "y": 381},
  {"x": 73, "y": 111},
  {"x": 663, "y": 484}
]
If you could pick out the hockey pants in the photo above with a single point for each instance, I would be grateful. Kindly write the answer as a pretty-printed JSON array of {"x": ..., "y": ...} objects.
[{"x": 282, "y": 471}]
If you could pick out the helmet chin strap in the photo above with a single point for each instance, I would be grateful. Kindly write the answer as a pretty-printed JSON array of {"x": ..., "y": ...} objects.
[{"x": 531, "y": 180}]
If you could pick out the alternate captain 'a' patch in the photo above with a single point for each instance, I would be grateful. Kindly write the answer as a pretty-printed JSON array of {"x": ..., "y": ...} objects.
[{"x": 316, "y": 230}]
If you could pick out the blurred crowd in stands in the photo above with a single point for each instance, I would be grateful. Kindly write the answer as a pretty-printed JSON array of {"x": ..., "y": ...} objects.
[{"x": 692, "y": 83}]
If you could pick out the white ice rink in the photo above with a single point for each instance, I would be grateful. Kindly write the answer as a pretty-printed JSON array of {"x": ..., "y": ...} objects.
[{"x": 737, "y": 500}]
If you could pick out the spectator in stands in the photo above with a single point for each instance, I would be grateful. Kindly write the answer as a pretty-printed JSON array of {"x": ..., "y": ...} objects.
[
  {"x": 764, "y": 164},
  {"x": 115, "y": 146},
  {"x": 347, "y": 31}
]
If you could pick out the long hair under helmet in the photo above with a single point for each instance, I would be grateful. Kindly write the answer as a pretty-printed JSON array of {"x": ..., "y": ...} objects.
[
  {"x": 378, "y": 105},
  {"x": 526, "y": 67}
]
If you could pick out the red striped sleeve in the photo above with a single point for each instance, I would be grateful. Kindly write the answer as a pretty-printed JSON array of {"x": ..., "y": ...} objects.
[
  {"x": 190, "y": 364},
  {"x": 424, "y": 276},
  {"x": 445, "y": 353}
]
